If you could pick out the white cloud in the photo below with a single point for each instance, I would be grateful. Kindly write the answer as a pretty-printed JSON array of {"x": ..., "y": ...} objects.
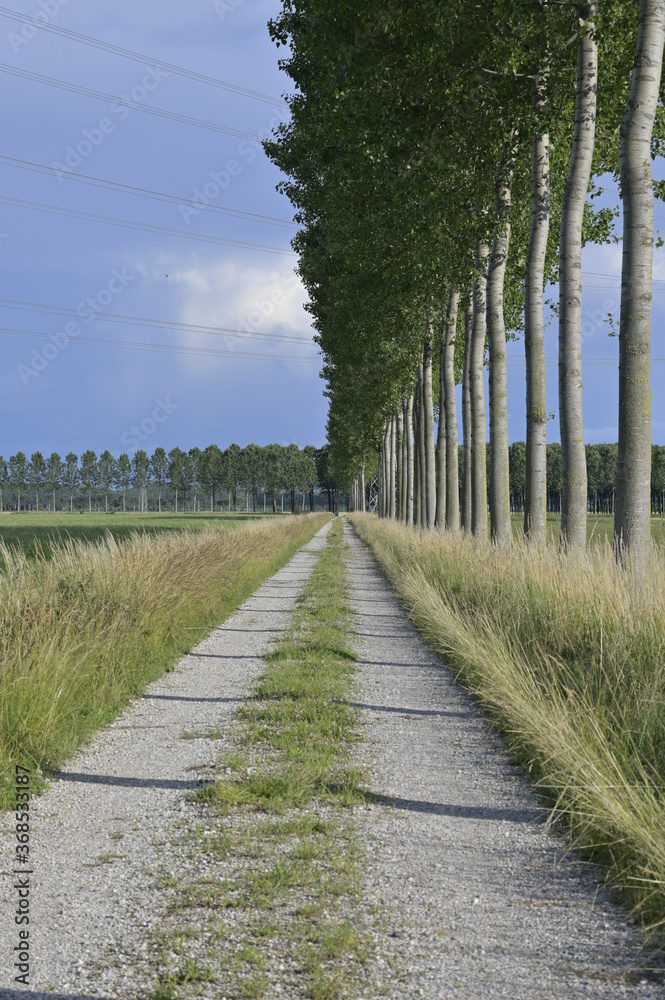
[{"x": 262, "y": 297}]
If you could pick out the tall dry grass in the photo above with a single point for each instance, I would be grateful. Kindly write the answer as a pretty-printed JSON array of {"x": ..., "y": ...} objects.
[
  {"x": 85, "y": 629},
  {"x": 567, "y": 654}
]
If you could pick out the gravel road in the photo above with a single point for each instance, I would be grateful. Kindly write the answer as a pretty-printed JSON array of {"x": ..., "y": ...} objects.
[
  {"x": 479, "y": 899},
  {"x": 476, "y": 899},
  {"x": 99, "y": 826}
]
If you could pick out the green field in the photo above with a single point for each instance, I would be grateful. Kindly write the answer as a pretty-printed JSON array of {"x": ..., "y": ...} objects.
[
  {"x": 31, "y": 530},
  {"x": 600, "y": 527}
]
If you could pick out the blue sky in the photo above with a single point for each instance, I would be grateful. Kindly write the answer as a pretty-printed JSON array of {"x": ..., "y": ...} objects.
[{"x": 59, "y": 390}]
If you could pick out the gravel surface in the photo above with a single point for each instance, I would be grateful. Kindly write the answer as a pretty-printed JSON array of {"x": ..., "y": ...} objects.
[
  {"x": 466, "y": 894},
  {"x": 102, "y": 824},
  {"x": 478, "y": 898}
]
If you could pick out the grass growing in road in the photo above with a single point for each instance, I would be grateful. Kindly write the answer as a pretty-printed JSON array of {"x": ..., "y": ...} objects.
[
  {"x": 567, "y": 655},
  {"x": 279, "y": 897},
  {"x": 85, "y": 629}
]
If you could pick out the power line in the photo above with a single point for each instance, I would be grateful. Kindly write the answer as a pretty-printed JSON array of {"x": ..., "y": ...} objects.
[
  {"x": 138, "y": 57},
  {"x": 593, "y": 362},
  {"x": 142, "y": 226},
  {"x": 42, "y": 307},
  {"x": 614, "y": 277},
  {"x": 43, "y": 168},
  {"x": 147, "y": 109},
  {"x": 133, "y": 345}
]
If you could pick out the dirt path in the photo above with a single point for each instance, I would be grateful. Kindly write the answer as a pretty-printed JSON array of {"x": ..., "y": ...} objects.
[
  {"x": 479, "y": 899},
  {"x": 95, "y": 832},
  {"x": 475, "y": 899}
]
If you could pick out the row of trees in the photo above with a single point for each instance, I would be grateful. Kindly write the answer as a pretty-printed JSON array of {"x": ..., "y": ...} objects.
[
  {"x": 439, "y": 156},
  {"x": 601, "y": 461},
  {"x": 197, "y": 478}
]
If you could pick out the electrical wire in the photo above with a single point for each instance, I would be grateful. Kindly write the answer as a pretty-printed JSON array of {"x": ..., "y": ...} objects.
[
  {"x": 592, "y": 362},
  {"x": 43, "y": 168},
  {"x": 133, "y": 345},
  {"x": 148, "y": 109},
  {"x": 137, "y": 56},
  {"x": 142, "y": 226},
  {"x": 42, "y": 307}
]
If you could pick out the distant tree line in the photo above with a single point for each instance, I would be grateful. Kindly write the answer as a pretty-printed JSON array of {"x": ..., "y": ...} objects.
[
  {"x": 601, "y": 462},
  {"x": 253, "y": 478}
]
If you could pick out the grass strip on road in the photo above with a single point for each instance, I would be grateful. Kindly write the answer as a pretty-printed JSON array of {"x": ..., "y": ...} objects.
[
  {"x": 566, "y": 655},
  {"x": 86, "y": 628},
  {"x": 274, "y": 838}
]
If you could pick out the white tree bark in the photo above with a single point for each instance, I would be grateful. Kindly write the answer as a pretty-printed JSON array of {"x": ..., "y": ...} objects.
[
  {"x": 428, "y": 429},
  {"x": 392, "y": 457},
  {"x": 534, "y": 331},
  {"x": 409, "y": 461},
  {"x": 399, "y": 508},
  {"x": 477, "y": 397},
  {"x": 466, "y": 418},
  {"x": 452, "y": 442},
  {"x": 440, "y": 517},
  {"x": 573, "y": 455},
  {"x": 632, "y": 520},
  {"x": 500, "y": 524}
]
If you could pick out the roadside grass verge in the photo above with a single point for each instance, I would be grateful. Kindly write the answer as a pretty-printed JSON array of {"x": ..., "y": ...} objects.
[
  {"x": 567, "y": 655},
  {"x": 44, "y": 532},
  {"x": 273, "y": 836},
  {"x": 86, "y": 628}
]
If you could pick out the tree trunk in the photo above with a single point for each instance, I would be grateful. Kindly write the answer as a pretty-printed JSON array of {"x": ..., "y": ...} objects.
[
  {"x": 452, "y": 461},
  {"x": 409, "y": 461},
  {"x": 405, "y": 464},
  {"x": 422, "y": 459},
  {"x": 441, "y": 498},
  {"x": 385, "y": 474},
  {"x": 466, "y": 418},
  {"x": 500, "y": 524},
  {"x": 534, "y": 330},
  {"x": 176, "y": 499},
  {"x": 428, "y": 429},
  {"x": 392, "y": 440},
  {"x": 416, "y": 455},
  {"x": 573, "y": 455},
  {"x": 477, "y": 397},
  {"x": 633, "y": 479},
  {"x": 399, "y": 510}
]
